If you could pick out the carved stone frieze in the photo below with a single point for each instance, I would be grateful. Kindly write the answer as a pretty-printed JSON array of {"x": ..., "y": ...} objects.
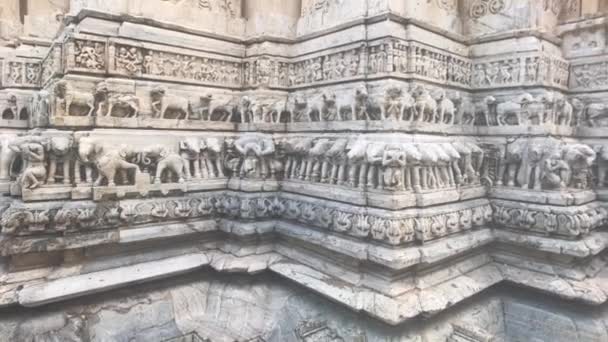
[
  {"x": 521, "y": 70},
  {"x": 396, "y": 157},
  {"x": 566, "y": 221},
  {"x": 482, "y": 8},
  {"x": 132, "y": 60},
  {"x": 18, "y": 73},
  {"x": 383, "y": 226},
  {"x": 589, "y": 76}
]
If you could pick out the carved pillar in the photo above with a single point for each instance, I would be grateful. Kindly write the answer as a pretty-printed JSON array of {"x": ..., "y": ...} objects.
[{"x": 271, "y": 17}]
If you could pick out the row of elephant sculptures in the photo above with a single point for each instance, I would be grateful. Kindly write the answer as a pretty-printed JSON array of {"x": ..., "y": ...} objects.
[
  {"x": 34, "y": 160},
  {"x": 547, "y": 163},
  {"x": 397, "y": 104},
  {"x": 391, "y": 166},
  {"x": 546, "y": 108}
]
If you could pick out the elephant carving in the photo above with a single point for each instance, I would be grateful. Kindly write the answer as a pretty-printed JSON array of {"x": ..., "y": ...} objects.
[
  {"x": 425, "y": 105},
  {"x": 323, "y": 108},
  {"x": 211, "y": 158},
  {"x": 602, "y": 165},
  {"x": 8, "y": 156},
  {"x": 507, "y": 113},
  {"x": 163, "y": 103},
  {"x": 257, "y": 160},
  {"x": 564, "y": 112},
  {"x": 107, "y": 160},
  {"x": 298, "y": 107},
  {"x": 533, "y": 157},
  {"x": 68, "y": 97},
  {"x": 190, "y": 150},
  {"x": 169, "y": 164},
  {"x": 596, "y": 113},
  {"x": 314, "y": 163},
  {"x": 127, "y": 102},
  {"x": 446, "y": 111},
  {"x": 397, "y": 104},
  {"x": 511, "y": 162},
  {"x": 579, "y": 158},
  {"x": 60, "y": 152}
]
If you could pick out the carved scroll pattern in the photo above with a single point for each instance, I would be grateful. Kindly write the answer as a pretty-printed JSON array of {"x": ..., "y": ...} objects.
[
  {"x": 481, "y": 8},
  {"x": 349, "y": 221}
]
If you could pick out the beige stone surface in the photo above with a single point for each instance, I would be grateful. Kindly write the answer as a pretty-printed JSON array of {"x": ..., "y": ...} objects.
[{"x": 324, "y": 170}]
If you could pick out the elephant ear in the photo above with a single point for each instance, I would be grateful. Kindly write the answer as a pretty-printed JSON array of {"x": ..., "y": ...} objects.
[{"x": 97, "y": 148}]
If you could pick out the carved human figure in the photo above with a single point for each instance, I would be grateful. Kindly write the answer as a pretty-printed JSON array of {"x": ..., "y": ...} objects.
[
  {"x": 555, "y": 172},
  {"x": 66, "y": 97},
  {"x": 564, "y": 112},
  {"x": 32, "y": 151},
  {"x": 108, "y": 160},
  {"x": 393, "y": 163}
]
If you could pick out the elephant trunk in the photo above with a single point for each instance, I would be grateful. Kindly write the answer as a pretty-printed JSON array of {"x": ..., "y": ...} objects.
[{"x": 83, "y": 154}]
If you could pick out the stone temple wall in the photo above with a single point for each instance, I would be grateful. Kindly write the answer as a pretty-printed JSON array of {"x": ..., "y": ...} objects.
[{"x": 314, "y": 170}]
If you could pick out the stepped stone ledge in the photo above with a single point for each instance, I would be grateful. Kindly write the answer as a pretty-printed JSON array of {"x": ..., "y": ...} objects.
[{"x": 306, "y": 171}]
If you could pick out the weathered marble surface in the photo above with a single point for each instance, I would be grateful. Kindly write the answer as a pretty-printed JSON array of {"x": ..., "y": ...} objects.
[
  {"x": 226, "y": 308},
  {"x": 405, "y": 160}
]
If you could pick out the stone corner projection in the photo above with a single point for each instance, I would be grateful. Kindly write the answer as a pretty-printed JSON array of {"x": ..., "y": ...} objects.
[{"x": 304, "y": 170}]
